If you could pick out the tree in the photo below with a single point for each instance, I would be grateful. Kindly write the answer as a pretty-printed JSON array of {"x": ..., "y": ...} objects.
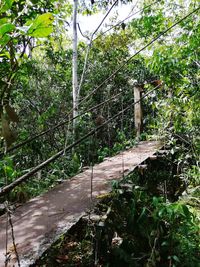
[
  {"x": 75, "y": 64},
  {"x": 18, "y": 26}
]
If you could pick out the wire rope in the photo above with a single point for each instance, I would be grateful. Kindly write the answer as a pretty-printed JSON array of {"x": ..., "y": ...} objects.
[
  {"x": 105, "y": 81},
  {"x": 34, "y": 170}
]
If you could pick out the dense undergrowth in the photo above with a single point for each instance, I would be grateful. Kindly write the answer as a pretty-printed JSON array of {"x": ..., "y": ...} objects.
[{"x": 136, "y": 225}]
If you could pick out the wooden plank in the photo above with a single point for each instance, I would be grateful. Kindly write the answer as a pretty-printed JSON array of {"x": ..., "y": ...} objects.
[{"x": 41, "y": 221}]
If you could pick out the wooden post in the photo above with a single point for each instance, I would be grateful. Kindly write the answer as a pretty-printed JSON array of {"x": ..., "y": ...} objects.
[{"x": 138, "y": 109}]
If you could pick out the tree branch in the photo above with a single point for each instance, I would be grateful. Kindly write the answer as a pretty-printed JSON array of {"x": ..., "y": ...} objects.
[
  {"x": 89, "y": 46},
  {"x": 138, "y": 52}
]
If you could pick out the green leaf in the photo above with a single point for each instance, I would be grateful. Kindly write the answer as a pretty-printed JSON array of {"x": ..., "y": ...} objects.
[
  {"x": 175, "y": 258},
  {"x": 4, "y": 29},
  {"x": 161, "y": 211},
  {"x": 5, "y": 54},
  {"x": 142, "y": 214},
  {"x": 164, "y": 244},
  {"x": 4, "y": 40},
  {"x": 155, "y": 201},
  {"x": 6, "y": 5},
  {"x": 41, "y": 26},
  {"x": 3, "y": 21},
  {"x": 186, "y": 211}
]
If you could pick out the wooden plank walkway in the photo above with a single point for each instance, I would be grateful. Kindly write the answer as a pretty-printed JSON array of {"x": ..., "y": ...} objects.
[{"x": 39, "y": 222}]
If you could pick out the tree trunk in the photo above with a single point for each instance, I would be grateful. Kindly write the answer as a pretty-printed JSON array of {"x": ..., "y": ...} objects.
[
  {"x": 74, "y": 65},
  {"x": 138, "y": 111}
]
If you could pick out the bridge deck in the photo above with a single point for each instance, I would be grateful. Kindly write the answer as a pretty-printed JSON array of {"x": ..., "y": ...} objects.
[{"x": 39, "y": 222}]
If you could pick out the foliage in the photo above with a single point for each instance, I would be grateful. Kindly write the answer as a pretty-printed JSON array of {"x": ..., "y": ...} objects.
[
  {"x": 149, "y": 230},
  {"x": 130, "y": 227},
  {"x": 153, "y": 232},
  {"x": 36, "y": 94},
  {"x": 19, "y": 23},
  {"x": 40, "y": 88}
]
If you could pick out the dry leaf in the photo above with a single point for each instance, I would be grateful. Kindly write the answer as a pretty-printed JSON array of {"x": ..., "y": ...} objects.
[
  {"x": 7, "y": 133},
  {"x": 11, "y": 113},
  {"x": 63, "y": 257}
]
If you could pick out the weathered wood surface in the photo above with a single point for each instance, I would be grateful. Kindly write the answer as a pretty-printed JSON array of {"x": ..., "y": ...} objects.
[
  {"x": 138, "y": 110},
  {"x": 39, "y": 222}
]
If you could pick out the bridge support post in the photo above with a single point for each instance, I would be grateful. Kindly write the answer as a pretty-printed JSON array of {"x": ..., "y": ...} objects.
[{"x": 138, "y": 109}]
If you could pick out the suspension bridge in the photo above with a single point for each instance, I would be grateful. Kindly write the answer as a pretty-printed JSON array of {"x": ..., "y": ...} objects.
[
  {"x": 40, "y": 222},
  {"x": 32, "y": 228},
  {"x": 28, "y": 231}
]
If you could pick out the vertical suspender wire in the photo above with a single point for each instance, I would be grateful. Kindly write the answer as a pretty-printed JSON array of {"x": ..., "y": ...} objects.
[
  {"x": 122, "y": 132},
  {"x": 90, "y": 150},
  {"x": 6, "y": 255},
  {"x": 108, "y": 125},
  {"x": 91, "y": 178},
  {"x": 91, "y": 183},
  {"x": 9, "y": 222},
  {"x": 91, "y": 164},
  {"x": 131, "y": 125}
]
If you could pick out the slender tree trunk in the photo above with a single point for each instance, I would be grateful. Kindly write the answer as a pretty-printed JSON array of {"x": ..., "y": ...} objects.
[{"x": 74, "y": 64}]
